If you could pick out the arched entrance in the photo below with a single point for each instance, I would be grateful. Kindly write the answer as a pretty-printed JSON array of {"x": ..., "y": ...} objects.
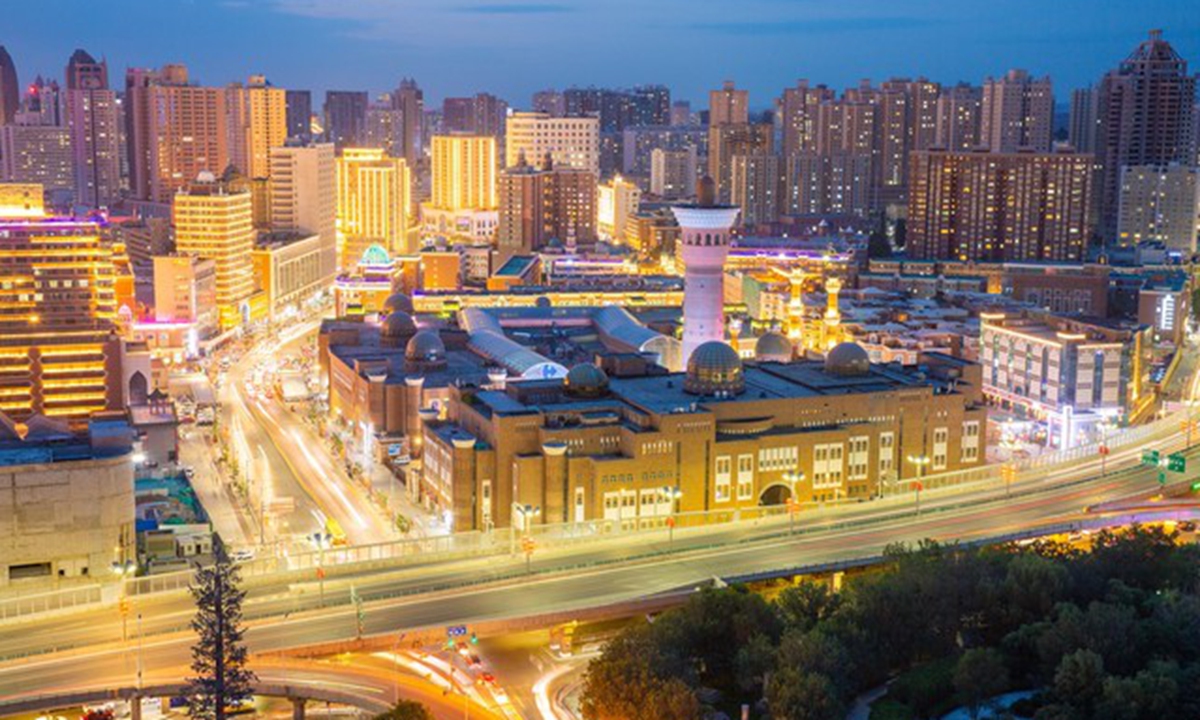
[
  {"x": 776, "y": 494},
  {"x": 138, "y": 388}
]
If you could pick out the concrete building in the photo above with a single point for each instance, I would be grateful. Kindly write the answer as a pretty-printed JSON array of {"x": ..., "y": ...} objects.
[
  {"x": 1017, "y": 113},
  {"x": 754, "y": 187},
  {"x": 212, "y": 220},
  {"x": 345, "y": 117},
  {"x": 540, "y": 205},
  {"x": 303, "y": 193},
  {"x": 373, "y": 197},
  {"x": 798, "y": 112},
  {"x": 409, "y": 100},
  {"x": 480, "y": 114},
  {"x": 960, "y": 118},
  {"x": 727, "y": 141},
  {"x": 673, "y": 173},
  {"x": 38, "y": 154},
  {"x": 299, "y": 114},
  {"x": 570, "y": 142},
  {"x": 257, "y": 123},
  {"x": 1074, "y": 375},
  {"x": 91, "y": 111},
  {"x": 987, "y": 206},
  {"x": 617, "y": 201},
  {"x": 1159, "y": 204},
  {"x": 67, "y": 512},
  {"x": 1145, "y": 116},
  {"x": 705, "y": 230},
  {"x": 1084, "y": 119},
  {"x": 838, "y": 183},
  {"x": 464, "y": 201},
  {"x": 10, "y": 92},
  {"x": 288, "y": 270},
  {"x": 728, "y": 106},
  {"x": 185, "y": 291}
]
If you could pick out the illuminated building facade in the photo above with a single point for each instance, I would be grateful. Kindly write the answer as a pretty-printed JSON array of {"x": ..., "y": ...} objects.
[
  {"x": 95, "y": 138},
  {"x": 571, "y": 142},
  {"x": 1017, "y": 113},
  {"x": 287, "y": 270},
  {"x": 1159, "y": 204},
  {"x": 617, "y": 201},
  {"x": 464, "y": 200},
  {"x": 257, "y": 123},
  {"x": 373, "y": 194},
  {"x": 540, "y": 205},
  {"x": 38, "y": 154},
  {"x": 212, "y": 220},
  {"x": 303, "y": 197},
  {"x": 705, "y": 229}
]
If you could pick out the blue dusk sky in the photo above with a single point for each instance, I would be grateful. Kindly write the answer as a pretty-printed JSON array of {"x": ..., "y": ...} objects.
[{"x": 457, "y": 47}]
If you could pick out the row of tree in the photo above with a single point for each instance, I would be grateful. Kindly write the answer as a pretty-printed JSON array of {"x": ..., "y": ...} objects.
[{"x": 1112, "y": 633}]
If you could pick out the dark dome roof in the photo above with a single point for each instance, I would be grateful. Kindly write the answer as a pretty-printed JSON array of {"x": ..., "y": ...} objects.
[
  {"x": 426, "y": 346},
  {"x": 398, "y": 301},
  {"x": 714, "y": 368},
  {"x": 847, "y": 359},
  {"x": 398, "y": 324},
  {"x": 543, "y": 302},
  {"x": 773, "y": 346},
  {"x": 586, "y": 380}
]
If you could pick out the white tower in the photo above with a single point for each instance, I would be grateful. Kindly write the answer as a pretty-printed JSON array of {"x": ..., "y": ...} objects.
[{"x": 704, "y": 245}]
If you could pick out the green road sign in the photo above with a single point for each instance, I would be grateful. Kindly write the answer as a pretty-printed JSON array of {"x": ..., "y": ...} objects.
[
  {"x": 1150, "y": 457},
  {"x": 1176, "y": 462}
]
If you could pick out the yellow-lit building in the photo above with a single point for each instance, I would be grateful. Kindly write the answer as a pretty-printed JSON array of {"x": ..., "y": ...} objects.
[
  {"x": 59, "y": 354},
  {"x": 373, "y": 193},
  {"x": 214, "y": 221},
  {"x": 617, "y": 202},
  {"x": 257, "y": 123},
  {"x": 464, "y": 202}
]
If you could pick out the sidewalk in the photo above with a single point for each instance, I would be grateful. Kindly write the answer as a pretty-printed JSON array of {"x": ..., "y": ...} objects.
[{"x": 214, "y": 494}]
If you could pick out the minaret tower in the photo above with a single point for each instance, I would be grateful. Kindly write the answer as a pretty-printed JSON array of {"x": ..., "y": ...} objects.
[
  {"x": 704, "y": 244},
  {"x": 833, "y": 315}
]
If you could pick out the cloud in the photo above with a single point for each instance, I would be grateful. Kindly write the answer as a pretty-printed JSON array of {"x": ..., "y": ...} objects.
[
  {"x": 815, "y": 25},
  {"x": 514, "y": 9}
]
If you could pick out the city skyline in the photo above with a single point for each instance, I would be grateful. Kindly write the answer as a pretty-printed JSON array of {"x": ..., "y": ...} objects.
[{"x": 372, "y": 45}]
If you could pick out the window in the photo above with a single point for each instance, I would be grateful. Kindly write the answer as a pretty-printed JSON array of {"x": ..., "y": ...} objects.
[
  {"x": 827, "y": 465},
  {"x": 970, "y": 441},
  {"x": 485, "y": 509},
  {"x": 859, "y": 454},
  {"x": 745, "y": 479},
  {"x": 941, "y": 439},
  {"x": 887, "y": 454},
  {"x": 724, "y": 476}
]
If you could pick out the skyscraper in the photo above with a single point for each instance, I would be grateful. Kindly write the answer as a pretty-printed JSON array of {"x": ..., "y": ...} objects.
[
  {"x": 303, "y": 196},
  {"x": 1159, "y": 204},
  {"x": 538, "y": 205},
  {"x": 410, "y": 101},
  {"x": 673, "y": 173},
  {"x": 999, "y": 207},
  {"x": 39, "y": 154},
  {"x": 10, "y": 93},
  {"x": 257, "y": 123},
  {"x": 345, "y": 117},
  {"x": 1018, "y": 112},
  {"x": 729, "y": 140},
  {"x": 728, "y": 106},
  {"x": 480, "y": 114},
  {"x": 798, "y": 112},
  {"x": 959, "y": 117},
  {"x": 464, "y": 200},
  {"x": 95, "y": 138},
  {"x": 1145, "y": 117},
  {"x": 569, "y": 141},
  {"x": 215, "y": 221},
  {"x": 299, "y": 114},
  {"x": 705, "y": 229},
  {"x": 1081, "y": 132},
  {"x": 373, "y": 196}
]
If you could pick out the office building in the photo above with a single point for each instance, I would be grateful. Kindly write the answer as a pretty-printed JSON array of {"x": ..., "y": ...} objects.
[
  {"x": 373, "y": 196},
  {"x": 570, "y": 142},
  {"x": 288, "y": 270},
  {"x": 216, "y": 221},
  {"x": 10, "y": 91},
  {"x": 1145, "y": 116},
  {"x": 986, "y": 206},
  {"x": 345, "y": 117},
  {"x": 175, "y": 131},
  {"x": 617, "y": 202},
  {"x": 299, "y": 114},
  {"x": 257, "y": 123},
  {"x": 1017, "y": 113},
  {"x": 673, "y": 173},
  {"x": 960, "y": 118},
  {"x": 464, "y": 200},
  {"x": 91, "y": 110},
  {"x": 303, "y": 197},
  {"x": 1159, "y": 204}
]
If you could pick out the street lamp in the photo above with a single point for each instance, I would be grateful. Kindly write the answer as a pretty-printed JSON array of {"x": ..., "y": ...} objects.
[
  {"x": 793, "y": 505},
  {"x": 322, "y": 539},
  {"x": 124, "y": 569},
  {"x": 672, "y": 494},
  {"x": 527, "y": 513},
  {"x": 920, "y": 461}
]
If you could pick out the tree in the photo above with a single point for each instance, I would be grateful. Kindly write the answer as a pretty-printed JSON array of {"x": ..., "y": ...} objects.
[
  {"x": 1079, "y": 680},
  {"x": 406, "y": 710},
  {"x": 805, "y": 604},
  {"x": 796, "y": 696},
  {"x": 219, "y": 655},
  {"x": 979, "y": 676}
]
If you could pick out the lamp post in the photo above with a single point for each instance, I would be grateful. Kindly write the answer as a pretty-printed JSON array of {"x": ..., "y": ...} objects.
[
  {"x": 527, "y": 513},
  {"x": 124, "y": 569},
  {"x": 920, "y": 461},
  {"x": 672, "y": 494},
  {"x": 321, "y": 539},
  {"x": 793, "y": 505}
]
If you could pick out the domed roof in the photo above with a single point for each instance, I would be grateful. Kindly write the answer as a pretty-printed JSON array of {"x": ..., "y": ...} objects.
[
  {"x": 543, "y": 302},
  {"x": 398, "y": 301},
  {"x": 714, "y": 368},
  {"x": 773, "y": 346},
  {"x": 847, "y": 359},
  {"x": 586, "y": 380},
  {"x": 398, "y": 324},
  {"x": 375, "y": 255},
  {"x": 426, "y": 346}
]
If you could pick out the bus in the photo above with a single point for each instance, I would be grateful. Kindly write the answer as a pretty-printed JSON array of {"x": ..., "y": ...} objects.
[{"x": 337, "y": 536}]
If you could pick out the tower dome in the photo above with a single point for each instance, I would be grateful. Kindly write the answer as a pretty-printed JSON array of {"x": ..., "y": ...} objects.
[
  {"x": 586, "y": 380},
  {"x": 773, "y": 347},
  {"x": 714, "y": 368},
  {"x": 398, "y": 301},
  {"x": 425, "y": 347},
  {"x": 847, "y": 360},
  {"x": 398, "y": 324}
]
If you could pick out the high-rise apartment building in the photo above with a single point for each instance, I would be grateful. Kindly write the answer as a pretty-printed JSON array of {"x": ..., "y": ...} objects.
[
  {"x": 95, "y": 138},
  {"x": 617, "y": 202},
  {"x": 175, "y": 131},
  {"x": 59, "y": 355},
  {"x": 384, "y": 128},
  {"x": 1160, "y": 204},
  {"x": 10, "y": 93},
  {"x": 728, "y": 106},
  {"x": 1018, "y": 112},
  {"x": 538, "y": 205},
  {"x": 729, "y": 140},
  {"x": 681, "y": 113},
  {"x": 1145, "y": 109},
  {"x": 257, "y": 123},
  {"x": 345, "y": 117},
  {"x": 464, "y": 199},
  {"x": 215, "y": 221},
  {"x": 673, "y": 173},
  {"x": 959, "y": 118},
  {"x": 38, "y": 154},
  {"x": 373, "y": 196},
  {"x": 410, "y": 101},
  {"x": 837, "y": 183},
  {"x": 1084, "y": 120},
  {"x": 480, "y": 114},
  {"x": 303, "y": 196},
  {"x": 299, "y": 114},
  {"x": 570, "y": 142},
  {"x": 754, "y": 188},
  {"x": 549, "y": 102},
  {"x": 999, "y": 207},
  {"x": 798, "y": 114}
]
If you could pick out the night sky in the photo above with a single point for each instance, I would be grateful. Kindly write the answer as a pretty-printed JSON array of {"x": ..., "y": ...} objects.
[{"x": 457, "y": 47}]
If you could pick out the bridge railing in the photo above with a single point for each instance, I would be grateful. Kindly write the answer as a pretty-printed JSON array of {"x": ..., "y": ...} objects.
[{"x": 50, "y": 601}]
